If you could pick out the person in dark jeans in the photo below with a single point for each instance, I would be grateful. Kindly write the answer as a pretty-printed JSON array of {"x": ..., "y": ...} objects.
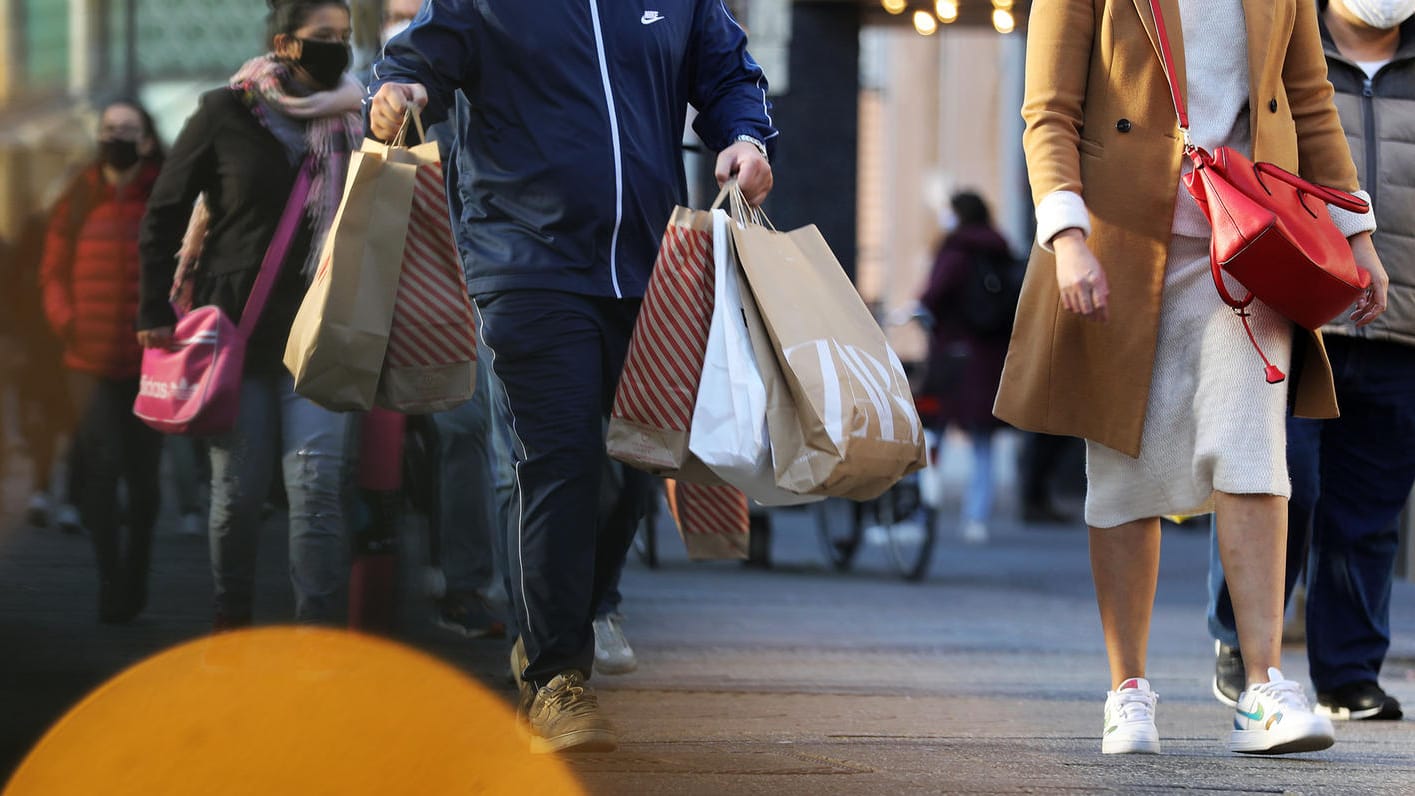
[
  {"x": 293, "y": 108},
  {"x": 1352, "y": 475},
  {"x": 89, "y": 282},
  {"x": 570, "y": 166}
]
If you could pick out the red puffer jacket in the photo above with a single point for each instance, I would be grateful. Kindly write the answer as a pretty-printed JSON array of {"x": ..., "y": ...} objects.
[{"x": 90, "y": 272}]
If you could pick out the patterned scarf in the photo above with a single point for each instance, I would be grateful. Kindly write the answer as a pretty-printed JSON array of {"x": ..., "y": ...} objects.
[{"x": 332, "y": 122}]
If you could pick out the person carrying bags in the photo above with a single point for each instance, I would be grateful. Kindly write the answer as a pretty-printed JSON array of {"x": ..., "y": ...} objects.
[{"x": 290, "y": 110}]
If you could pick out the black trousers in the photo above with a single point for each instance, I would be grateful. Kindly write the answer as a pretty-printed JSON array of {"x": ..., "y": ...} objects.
[
  {"x": 113, "y": 446},
  {"x": 558, "y": 357}
]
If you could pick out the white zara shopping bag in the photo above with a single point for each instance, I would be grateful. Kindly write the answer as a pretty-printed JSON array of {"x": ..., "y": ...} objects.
[{"x": 729, "y": 428}]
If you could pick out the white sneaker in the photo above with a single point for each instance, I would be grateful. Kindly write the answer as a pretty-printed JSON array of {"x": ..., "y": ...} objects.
[
  {"x": 1130, "y": 720},
  {"x": 1273, "y": 718},
  {"x": 37, "y": 512},
  {"x": 612, "y": 653},
  {"x": 975, "y": 532},
  {"x": 67, "y": 519}
]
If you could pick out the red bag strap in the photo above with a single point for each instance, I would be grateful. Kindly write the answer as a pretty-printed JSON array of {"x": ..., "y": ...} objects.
[
  {"x": 1171, "y": 74},
  {"x": 1331, "y": 196},
  {"x": 276, "y": 252}
]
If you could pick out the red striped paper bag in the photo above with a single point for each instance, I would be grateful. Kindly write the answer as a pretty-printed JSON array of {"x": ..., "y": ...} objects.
[
  {"x": 713, "y": 520},
  {"x": 653, "y": 406},
  {"x": 386, "y": 319},
  {"x": 430, "y": 364}
]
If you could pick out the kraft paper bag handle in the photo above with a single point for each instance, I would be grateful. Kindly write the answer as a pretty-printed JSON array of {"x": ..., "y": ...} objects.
[
  {"x": 743, "y": 211},
  {"x": 724, "y": 194},
  {"x": 414, "y": 115}
]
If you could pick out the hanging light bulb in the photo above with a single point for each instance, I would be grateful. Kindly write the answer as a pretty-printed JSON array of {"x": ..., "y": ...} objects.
[
  {"x": 1003, "y": 5},
  {"x": 925, "y": 23},
  {"x": 1003, "y": 22},
  {"x": 894, "y": 6},
  {"x": 946, "y": 11}
]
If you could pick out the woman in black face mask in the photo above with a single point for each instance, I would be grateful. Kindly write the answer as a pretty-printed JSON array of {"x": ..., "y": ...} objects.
[
  {"x": 89, "y": 280},
  {"x": 243, "y": 149}
]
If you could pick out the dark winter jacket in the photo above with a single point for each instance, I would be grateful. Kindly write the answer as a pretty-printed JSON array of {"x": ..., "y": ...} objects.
[
  {"x": 964, "y": 368},
  {"x": 89, "y": 274},
  {"x": 570, "y": 163},
  {"x": 1378, "y": 115},
  {"x": 247, "y": 176}
]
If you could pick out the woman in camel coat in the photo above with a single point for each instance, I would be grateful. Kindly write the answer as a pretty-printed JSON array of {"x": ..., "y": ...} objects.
[{"x": 1120, "y": 339}]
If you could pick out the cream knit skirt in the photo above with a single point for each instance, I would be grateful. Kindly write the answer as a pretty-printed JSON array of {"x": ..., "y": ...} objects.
[{"x": 1213, "y": 423}]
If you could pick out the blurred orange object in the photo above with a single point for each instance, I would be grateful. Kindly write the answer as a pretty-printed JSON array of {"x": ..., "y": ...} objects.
[{"x": 288, "y": 711}]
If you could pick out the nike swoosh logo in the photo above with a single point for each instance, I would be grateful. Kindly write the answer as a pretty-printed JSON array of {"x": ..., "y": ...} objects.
[
  {"x": 651, "y": 17},
  {"x": 1258, "y": 716}
]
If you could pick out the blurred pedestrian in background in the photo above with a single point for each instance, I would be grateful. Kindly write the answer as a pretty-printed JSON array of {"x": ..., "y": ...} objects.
[
  {"x": 243, "y": 149},
  {"x": 1122, "y": 340},
  {"x": 972, "y": 297},
  {"x": 89, "y": 280},
  {"x": 43, "y": 408},
  {"x": 1351, "y": 475}
]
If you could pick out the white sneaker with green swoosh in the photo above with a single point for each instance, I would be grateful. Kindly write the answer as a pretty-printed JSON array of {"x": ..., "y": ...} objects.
[
  {"x": 1130, "y": 720},
  {"x": 1274, "y": 718}
]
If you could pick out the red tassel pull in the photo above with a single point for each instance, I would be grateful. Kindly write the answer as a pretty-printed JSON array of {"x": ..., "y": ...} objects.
[{"x": 1273, "y": 373}]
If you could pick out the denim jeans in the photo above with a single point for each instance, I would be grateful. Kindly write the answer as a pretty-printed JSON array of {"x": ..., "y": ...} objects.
[
  {"x": 467, "y": 496},
  {"x": 276, "y": 427},
  {"x": 977, "y": 504},
  {"x": 1350, "y": 478}
]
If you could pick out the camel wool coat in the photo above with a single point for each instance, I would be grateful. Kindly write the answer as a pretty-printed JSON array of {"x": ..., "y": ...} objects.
[{"x": 1100, "y": 123}]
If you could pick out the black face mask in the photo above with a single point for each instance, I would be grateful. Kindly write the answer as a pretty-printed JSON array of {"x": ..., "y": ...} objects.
[
  {"x": 119, "y": 153},
  {"x": 324, "y": 61}
]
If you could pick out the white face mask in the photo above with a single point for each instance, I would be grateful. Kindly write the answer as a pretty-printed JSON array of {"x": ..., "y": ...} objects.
[
  {"x": 394, "y": 28},
  {"x": 1383, "y": 14},
  {"x": 947, "y": 220}
]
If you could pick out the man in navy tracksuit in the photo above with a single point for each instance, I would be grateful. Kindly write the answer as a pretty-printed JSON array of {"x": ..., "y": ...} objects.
[{"x": 570, "y": 165}]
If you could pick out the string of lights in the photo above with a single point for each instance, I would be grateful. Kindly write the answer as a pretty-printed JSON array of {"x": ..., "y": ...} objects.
[{"x": 926, "y": 22}]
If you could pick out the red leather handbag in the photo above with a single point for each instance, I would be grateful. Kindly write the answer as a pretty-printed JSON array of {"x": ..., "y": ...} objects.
[{"x": 1271, "y": 230}]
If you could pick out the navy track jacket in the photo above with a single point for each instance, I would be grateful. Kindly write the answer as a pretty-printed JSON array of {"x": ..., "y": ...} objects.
[{"x": 569, "y": 158}]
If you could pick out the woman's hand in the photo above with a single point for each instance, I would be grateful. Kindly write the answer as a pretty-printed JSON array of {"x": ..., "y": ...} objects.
[
  {"x": 160, "y": 337},
  {"x": 1373, "y": 302},
  {"x": 1080, "y": 278}
]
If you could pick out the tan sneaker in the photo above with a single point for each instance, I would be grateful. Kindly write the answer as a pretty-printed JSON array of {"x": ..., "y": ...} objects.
[
  {"x": 525, "y": 693},
  {"x": 565, "y": 717}
]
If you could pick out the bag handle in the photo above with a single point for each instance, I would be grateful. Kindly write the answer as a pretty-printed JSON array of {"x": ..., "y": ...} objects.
[
  {"x": 275, "y": 253},
  {"x": 400, "y": 139},
  {"x": 1172, "y": 75},
  {"x": 1331, "y": 196}
]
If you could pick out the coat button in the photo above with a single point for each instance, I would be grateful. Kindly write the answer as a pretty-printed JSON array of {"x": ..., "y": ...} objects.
[
  {"x": 1272, "y": 104},
  {"x": 1123, "y": 125}
]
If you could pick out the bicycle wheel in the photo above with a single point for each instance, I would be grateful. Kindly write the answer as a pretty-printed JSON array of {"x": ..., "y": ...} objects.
[
  {"x": 840, "y": 531},
  {"x": 908, "y": 525}
]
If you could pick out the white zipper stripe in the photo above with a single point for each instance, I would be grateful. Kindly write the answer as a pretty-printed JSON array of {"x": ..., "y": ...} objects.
[
  {"x": 520, "y": 490},
  {"x": 618, "y": 154}
]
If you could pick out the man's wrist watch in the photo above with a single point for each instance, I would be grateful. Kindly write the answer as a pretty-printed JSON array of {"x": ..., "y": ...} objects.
[{"x": 754, "y": 141}]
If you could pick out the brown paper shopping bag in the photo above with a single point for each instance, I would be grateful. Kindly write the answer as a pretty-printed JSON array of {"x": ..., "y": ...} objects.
[
  {"x": 653, "y": 404},
  {"x": 855, "y": 431},
  {"x": 340, "y": 334},
  {"x": 387, "y": 319}
]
